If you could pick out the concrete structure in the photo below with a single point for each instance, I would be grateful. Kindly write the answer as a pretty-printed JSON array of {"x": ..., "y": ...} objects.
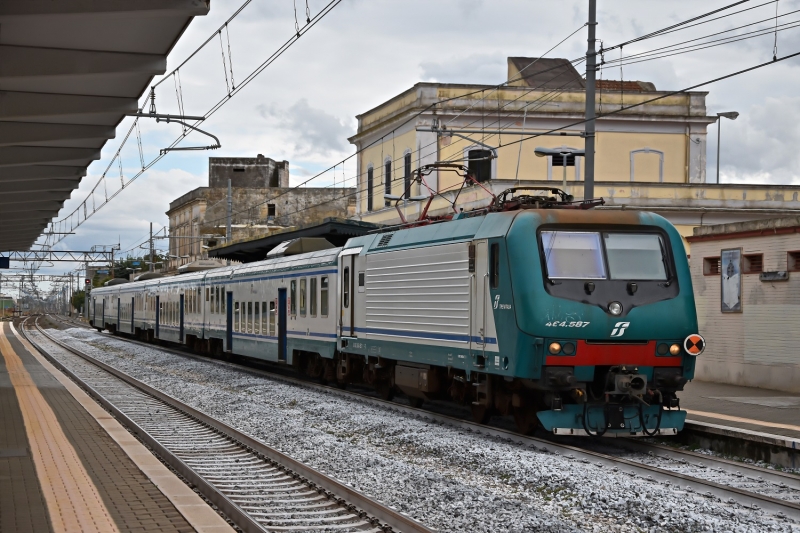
[
  {"x": 757, "y": 345},
  {"x": 650, "y": 157},
  {"x": 197, "y": 219},
  {"x": 69, "y": 73}
]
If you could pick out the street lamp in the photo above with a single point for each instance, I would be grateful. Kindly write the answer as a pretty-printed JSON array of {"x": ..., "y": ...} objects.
[
  {"x": 732, "y": 115},
  {"x": 564, "y": 153}
]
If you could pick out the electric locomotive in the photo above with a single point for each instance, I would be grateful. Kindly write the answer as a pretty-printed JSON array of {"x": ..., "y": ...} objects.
[{"x": 576, "y": 320}]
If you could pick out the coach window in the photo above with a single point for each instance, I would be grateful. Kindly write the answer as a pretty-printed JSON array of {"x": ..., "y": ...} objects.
[
  {"x": 494, "y": 265},
  {"x": 249, "y": 317},
  {"x": 256, "y": 318},
  {"x": 303, "y": 297},
  {"x": 264, "y": 318},
  {"x": 211, "y": 306},
  {"x": 293, "y": 297},
  {"x": 272, "y": 318},
  {"x": 323, "y": 296},
  {"x": 222, "y": 298},
  {"x": 312, "y": 297},
  {"x": 207, "y": 293},
  {"x": 219, "y": 297},
  {"x": 346, "y": 287}
]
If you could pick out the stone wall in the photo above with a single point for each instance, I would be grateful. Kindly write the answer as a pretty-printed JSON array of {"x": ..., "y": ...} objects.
[{"x": 253, "y": 172}]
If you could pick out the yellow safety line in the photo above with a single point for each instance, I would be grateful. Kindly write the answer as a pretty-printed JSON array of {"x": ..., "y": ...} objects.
[
  {"x": 743, "y": 420},
  {"x": 72, "y": 499}
]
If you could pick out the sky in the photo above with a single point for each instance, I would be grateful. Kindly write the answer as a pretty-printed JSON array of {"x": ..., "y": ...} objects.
[{"x": 302, "y": 108}]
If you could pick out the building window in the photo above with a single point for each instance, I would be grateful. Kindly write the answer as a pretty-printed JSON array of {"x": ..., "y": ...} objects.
[
  {"x": 312, "y": 300},
  {"x": 793, "y": 261},
  {"x": 238, "y": 169},
  {"x": 323, "y": 296},
  {"x": 270, "y": 210},
  {"x": 407, "y": 174},
  {"x": 480, "y": 165},
  {"x": 370, "y": 184},
  {"x": 752, "y": 263},
  {"x": 711, "y": 266},
  {"x": 387, "y": 176}
]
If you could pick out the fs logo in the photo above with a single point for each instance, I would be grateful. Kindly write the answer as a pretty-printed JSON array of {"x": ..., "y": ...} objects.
[
  {"x": 496, "y": 301},
  {"x": 619, "y": 329}
]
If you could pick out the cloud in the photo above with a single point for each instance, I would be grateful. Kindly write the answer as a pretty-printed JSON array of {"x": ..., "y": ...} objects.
[
  {"x": 313, "y": 131},
  {"x": 475, "y": 68}
]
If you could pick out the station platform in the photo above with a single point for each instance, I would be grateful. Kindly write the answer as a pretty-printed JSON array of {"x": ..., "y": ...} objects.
[
  {"x": 746, "y": 408},
  {"x": 67, "y": 465}
]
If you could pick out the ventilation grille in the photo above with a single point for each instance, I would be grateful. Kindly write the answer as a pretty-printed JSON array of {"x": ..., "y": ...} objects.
[{"x": 385, "y": 239}]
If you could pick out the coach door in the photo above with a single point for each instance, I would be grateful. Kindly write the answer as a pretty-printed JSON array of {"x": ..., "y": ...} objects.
[
  {"x": 158, "y": 313},
  {"x": 180, "y": 315},
  {"x": 282, "y": 303},
  {"x": 346, "y": 302},
  {"x": 479, "y": 290}
]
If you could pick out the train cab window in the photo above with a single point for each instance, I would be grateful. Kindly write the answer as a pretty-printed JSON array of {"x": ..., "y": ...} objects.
[
  {"x": 264, "y": 318},
  {"x": 236, "y": 316},
  {"x": 494, "y": 266},
  {"x": 346, "y": 287},
  {"x": 293, "y": 297},
  {"x": 312, "y": 297},
  {"x": 573, "y": 255},
  {"x": 272, "y": 318},
  {"x": 323, "y": 296},
  {"x": 249, "y": 317},
  {"x": 635, "y": 256},
  {"x": 303, "y": 297}
]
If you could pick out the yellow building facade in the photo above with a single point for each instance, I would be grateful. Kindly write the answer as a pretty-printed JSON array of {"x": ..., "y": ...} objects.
[{"x": 652, "y": 156}]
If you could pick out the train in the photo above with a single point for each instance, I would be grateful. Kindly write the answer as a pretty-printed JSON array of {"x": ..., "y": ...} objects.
[{"x": 571, "y": 319}]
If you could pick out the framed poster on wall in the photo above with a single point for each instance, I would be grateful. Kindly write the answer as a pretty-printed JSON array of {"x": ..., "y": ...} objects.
[{"x": 730, "y": 266}]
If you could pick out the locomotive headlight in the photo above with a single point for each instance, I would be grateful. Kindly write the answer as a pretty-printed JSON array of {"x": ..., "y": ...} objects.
[
  {"x": 675, "y": 349},
  {"x": 555, "y": 348},
  {"x": 615, "y": 308}
]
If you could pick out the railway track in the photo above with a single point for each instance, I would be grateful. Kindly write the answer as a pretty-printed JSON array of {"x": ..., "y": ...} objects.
[
  {"x": 754, "y": 487},
  {"x": 257, "y": 487}
]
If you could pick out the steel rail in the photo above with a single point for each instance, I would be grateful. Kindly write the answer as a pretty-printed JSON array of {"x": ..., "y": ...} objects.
[
  {"x": 746, "y": 498},
  {"x": 350, "y": 499}
]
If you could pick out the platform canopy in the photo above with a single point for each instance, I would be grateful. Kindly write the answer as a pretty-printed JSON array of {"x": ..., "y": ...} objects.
[{"x": 70, "y": 70}]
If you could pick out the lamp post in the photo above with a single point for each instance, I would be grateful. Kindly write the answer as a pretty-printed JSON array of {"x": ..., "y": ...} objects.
[
  {"x": 732, "y": 115},
  {"x": 564, "y": 153}
]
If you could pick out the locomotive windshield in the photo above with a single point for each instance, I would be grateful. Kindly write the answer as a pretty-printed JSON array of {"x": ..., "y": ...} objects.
[{"x": 612, "y": 255}]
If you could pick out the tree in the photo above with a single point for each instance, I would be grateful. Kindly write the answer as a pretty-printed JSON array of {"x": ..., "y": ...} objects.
[{"x": 78, "y": 299}]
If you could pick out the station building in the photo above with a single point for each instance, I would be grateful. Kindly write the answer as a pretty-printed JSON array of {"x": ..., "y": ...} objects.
[
  {"x": 650, "y": 157},
  {"x": 262, "y": 203},
  {"x": 746, "y": 279}
]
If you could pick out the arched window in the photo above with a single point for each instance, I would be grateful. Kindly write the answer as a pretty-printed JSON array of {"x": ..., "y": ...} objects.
[
  {"x": 370, "y": 186},
  {"x": 647, "y": 165},
  {"x": 387, "y": 179},
  {"x": 407, "y": 173}
]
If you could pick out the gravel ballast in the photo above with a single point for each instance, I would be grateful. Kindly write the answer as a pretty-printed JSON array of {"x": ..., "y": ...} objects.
[{"x": 450, "y": 479}]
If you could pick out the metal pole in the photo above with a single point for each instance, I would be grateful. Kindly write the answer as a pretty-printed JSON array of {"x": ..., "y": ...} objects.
[
  {"x": 589, "y": 128},
  {"x": 564, "y": 160},
  {"x": 228, "y": 221},
  {"x": 719, "y": 128},
  {"x": 152, "y": 261}
]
